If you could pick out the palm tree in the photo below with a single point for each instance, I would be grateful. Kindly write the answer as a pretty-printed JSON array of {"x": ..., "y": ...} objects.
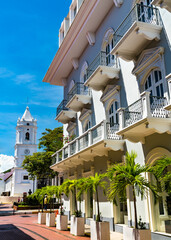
[
  {"x": 71, "y": 186},
  {"x": 129, "y": 174},
  {"x": 58, "y": 193},
  {"x": 39, "y": 194},
  {"x": 162, "y": 174},
  {"x": 93, "y": 183},
  {"x": 50, "y": 191}
]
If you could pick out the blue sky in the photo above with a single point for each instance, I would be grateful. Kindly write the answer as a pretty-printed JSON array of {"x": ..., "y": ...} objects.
[{"x": 28, "y": 43}]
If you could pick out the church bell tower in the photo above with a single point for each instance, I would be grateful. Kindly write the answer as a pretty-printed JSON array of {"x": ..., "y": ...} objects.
[{"x": 26, "y": 132}]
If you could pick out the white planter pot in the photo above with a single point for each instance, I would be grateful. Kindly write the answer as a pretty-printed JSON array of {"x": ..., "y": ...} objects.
[
  {"x": 62, "y": 222},
  {"x": 50, "y": 219},
  {"x": 142, "y": 234},
  {"x": 100, "y": 230},
  {"x": 41, "y": 218},
  {"x": 77, "y": 226}
]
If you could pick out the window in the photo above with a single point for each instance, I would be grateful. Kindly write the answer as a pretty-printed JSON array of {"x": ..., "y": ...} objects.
[
  {"x": 25, "y": 177},
  {"x": 75, "y": 11},
  {"x": 113, "y": 114},
  {"x": 154, "y": 84},
  {"x": 88, "y": 125},
  {"x": 145, "y": 11},
  {"x": 109, "y": 57},
  {"x": 27, "y": 137}
]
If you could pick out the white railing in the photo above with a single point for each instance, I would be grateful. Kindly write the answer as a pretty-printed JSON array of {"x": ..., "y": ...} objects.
[
  {"x": 101, "y": 131},
  {"x": 146, "y": 106}
]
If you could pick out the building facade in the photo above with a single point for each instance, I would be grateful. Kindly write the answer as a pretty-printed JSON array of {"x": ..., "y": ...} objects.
[{"x": 114, "y": 64}]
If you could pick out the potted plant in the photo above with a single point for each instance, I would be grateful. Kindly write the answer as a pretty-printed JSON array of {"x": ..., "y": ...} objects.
[
  {"x": 130, "y": 174},
  {"x": 99, "y": 230},
  {"x": 61, "y": 219},
  {"x": 50, "y": 217},
  {"x": 77, "y": 222}
]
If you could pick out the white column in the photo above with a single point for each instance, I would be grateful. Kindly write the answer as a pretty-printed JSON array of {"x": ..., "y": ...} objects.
[
  {"x": 69, "y": 150},
  {"x": 168, "y": 77},
  {"x": 76, "y": 145},
  {"x": 89, "y": 138},
  {"x": 145, "y": 96},
  {"x": 121, "y": 118}
]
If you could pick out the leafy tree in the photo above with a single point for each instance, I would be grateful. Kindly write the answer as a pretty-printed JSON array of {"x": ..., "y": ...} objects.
[
  {"x": 129, "y": 174},
  {"x": 38, "y": 165},
  {"x": 52, "y": 140}
]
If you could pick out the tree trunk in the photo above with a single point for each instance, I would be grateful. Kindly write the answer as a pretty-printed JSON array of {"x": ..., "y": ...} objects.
[
  {"x": 135, "y": 213},
  {"x": 75, "y": 199},
  {"x": 60, "y": 201},
  {"x": 98, "y": 208}
]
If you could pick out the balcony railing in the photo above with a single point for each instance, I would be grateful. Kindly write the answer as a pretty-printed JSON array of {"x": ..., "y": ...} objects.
[
  {"x": 133, "y": 113},
  {"x": 100, "y": 132},
  {"x": 101, "y": 60},
  {"x": 146, "y": 106},
  {"x": 61, "y": 107},
  {"x": 141, "y": 13},
  {"x": 78, "y": 88}
]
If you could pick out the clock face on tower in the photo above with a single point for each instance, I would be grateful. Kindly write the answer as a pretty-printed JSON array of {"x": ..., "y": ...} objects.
[{"x": 26, "y": 151}]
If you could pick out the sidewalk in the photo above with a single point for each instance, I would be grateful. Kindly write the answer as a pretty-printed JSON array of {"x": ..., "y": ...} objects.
[{"x": 24, "y": 227}]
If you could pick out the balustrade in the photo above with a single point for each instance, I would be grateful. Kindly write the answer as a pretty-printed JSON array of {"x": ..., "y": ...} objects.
[
  {"x": 102, "y": 131},
  {"x": 146, "y": 106}
]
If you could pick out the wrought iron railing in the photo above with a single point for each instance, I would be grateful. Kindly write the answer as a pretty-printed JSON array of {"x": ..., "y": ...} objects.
[
  {"x": 97, "y": 134},
  {"x": 133, "y": 113},
  {"x": 61, "y": 107},
  {"x": 66, "y": 152},
  {"x": 157, "y": 105},
  {"x": 83, "y": 142},
  {"x": 102, "y": 59},
  {"x": 78, "y": 88},
  {"x": 73, "y": 148},
  {"x": 111, "y": 131},
  {"x": 141, "y": 13}
]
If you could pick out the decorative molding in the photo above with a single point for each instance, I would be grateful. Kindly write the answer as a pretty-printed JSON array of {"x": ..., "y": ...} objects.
[
  {"x": 118, "y": 3},
  {"x": 91, "y": 37},
  {"x": 109, "y": 91},
  {"x": 148, "y": 60},
  {"x": 106, "y": 37},
  {"x": 71, "y": 126},
  {"x": 85, "y": 113},
  {"x": 75, "y": 63}
]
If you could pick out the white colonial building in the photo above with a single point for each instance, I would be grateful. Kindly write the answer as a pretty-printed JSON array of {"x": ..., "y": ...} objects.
[
  {"x": 17, "y": 182},
  {"x": 114, "y": 64}
]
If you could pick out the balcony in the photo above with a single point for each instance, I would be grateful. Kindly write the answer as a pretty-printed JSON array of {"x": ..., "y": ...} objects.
[
  {"x": 101, "y": 71},
  {"x": 163, "y": 4},
  {"x": 78, "y": 97},
  {"x": 97, "y": 141},
  {"x": 64, "y": 115},
  {"x": 141, "y": 26},
  {"x": 144, "y": 117}
]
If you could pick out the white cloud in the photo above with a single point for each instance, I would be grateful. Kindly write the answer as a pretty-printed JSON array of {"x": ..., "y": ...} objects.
[
  {"x": 6, "y": 162},
  {"x": 24, "y": 78}
]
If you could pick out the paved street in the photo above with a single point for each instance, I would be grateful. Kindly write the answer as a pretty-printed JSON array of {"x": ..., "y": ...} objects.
[{"x": 25, "y": 227}]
